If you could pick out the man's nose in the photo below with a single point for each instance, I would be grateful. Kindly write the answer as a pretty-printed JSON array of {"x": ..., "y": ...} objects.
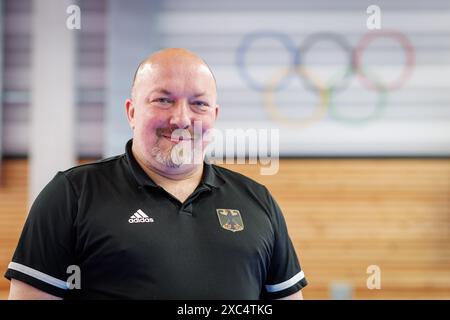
[{"x": 180, "y": 115}]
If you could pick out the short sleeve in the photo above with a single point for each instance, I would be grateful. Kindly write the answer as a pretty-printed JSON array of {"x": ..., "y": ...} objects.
[
  {"x": 46, "y": 245},
  {"x": 285, "y": 276}
]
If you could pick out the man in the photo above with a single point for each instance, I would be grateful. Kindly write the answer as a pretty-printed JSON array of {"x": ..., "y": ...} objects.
[{"x": 154, "y": 223}]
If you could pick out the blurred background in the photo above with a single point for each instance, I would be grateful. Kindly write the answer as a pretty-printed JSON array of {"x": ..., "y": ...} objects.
[{"x": 360, "y": 97}]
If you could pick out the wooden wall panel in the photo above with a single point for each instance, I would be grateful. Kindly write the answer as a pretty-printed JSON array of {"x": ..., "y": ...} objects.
[{"x": 343, "y": 215}]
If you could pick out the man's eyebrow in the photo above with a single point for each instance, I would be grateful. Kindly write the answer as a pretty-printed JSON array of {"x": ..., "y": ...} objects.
[
  {"x": 167, "y": 92},
  {"x": 161, "y": 90}
]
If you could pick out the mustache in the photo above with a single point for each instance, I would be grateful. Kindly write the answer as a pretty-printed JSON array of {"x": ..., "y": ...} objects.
[{"x": 177, "y": 132}]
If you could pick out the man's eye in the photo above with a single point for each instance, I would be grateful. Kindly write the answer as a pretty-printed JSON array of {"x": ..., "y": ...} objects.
[
  {"x": 163, "y": 100},
  {"x": 200, "y": 104}
]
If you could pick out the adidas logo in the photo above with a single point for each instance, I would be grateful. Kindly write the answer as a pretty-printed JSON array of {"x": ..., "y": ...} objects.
[{"x": 140, "y": 217}]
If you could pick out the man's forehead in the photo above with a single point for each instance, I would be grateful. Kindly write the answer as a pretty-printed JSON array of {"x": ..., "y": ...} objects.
[
  {"x": 144, "y": 68},
  {"x": 174, "y": 66},
  {"x": 165, "y": 91},
  {"x": 173, "y": 79}
]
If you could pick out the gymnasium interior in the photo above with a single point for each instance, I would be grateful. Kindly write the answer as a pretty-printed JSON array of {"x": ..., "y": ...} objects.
[{"x": 355, "y": 100}]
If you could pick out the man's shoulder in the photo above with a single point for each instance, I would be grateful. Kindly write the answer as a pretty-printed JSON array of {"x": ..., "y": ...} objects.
[{"x": 99, "y": 167}]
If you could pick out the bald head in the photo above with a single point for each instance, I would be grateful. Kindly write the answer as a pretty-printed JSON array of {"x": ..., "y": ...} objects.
[
  {"x": 172, "y": 89},
  {"x": 169, "y": 57}
]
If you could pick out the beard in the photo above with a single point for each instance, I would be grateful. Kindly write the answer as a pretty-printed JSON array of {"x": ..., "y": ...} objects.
[
  {"x": 172, "y": 157},
  {"x": 186, "y": 152}
]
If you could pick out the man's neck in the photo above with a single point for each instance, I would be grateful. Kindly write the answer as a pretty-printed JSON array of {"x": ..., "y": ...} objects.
[
  {"x": 180, "y": 185},
  {"x": 193, "y": 176}
]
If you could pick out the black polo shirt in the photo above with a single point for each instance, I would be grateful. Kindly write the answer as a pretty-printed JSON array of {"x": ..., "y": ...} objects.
[{"x": 133, "y": 240}]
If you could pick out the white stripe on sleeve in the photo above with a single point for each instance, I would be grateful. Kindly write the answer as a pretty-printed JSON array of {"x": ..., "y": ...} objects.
[
  {"x": 38, "y": 275},
  {"x": 285, "y": 284}
]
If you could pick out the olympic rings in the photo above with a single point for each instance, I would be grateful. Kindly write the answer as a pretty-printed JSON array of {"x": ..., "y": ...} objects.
[
  {"x": 405, "y": 43},
  {"x": 282, "y": 78},
  {"x": 319, "y": 110},
  {"x": 379, "y": 107},
  {"x": 315, "y": 37},
  {"x": 283, "y": 38}
]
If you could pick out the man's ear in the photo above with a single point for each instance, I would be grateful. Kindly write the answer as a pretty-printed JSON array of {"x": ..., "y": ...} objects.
[
  {"x": 217, "y": 111},
  {"x": 129, "y": 108}
]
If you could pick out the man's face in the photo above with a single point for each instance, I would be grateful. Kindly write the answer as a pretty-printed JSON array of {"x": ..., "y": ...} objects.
[{"x": 169, "y": 100}]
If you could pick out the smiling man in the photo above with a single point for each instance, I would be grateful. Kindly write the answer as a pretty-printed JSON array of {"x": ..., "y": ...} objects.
[
  {"x": 157, "y": 222},
  {"x": 172, "y": 91}
]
